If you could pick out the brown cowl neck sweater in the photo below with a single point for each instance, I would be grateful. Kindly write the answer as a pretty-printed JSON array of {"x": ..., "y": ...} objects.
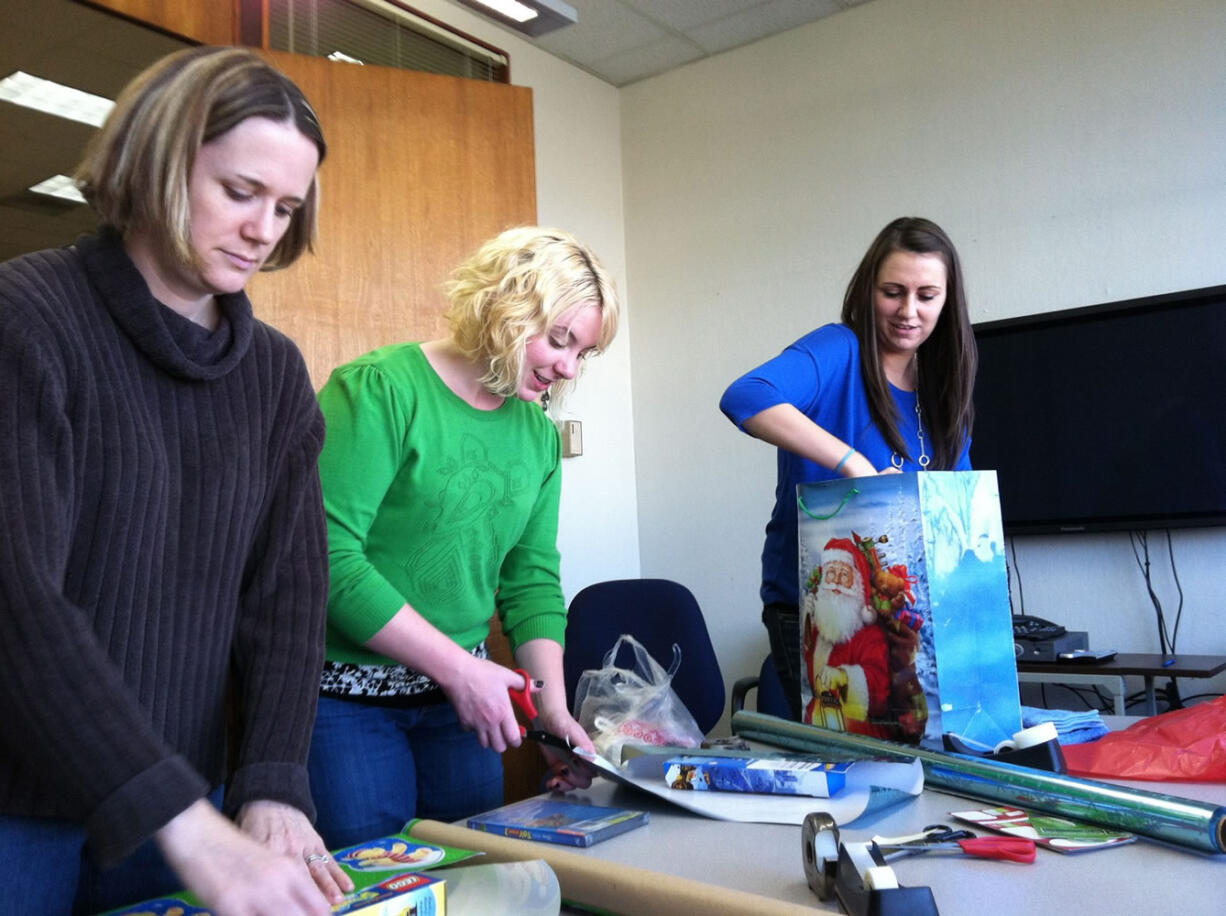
[{"x": 161, "y": 543}]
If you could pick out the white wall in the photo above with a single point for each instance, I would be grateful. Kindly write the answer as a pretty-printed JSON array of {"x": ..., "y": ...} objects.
[
  {"x": 1073, "y": 149},
  {"x": 579, "y": 188},
  {"x": 1074, "y": 156}
]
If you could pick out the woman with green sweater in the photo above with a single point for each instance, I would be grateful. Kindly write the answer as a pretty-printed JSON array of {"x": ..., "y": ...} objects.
[{"x": 442, "y": 475}]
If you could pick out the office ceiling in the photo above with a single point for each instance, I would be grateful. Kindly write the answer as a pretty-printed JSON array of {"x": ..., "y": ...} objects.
[{"x": 620, "y": 41}]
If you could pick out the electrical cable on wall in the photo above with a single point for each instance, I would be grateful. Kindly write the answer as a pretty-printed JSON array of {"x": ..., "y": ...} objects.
[
  {"x": 1166, "y": 638},
  {"x": 1021, "y": 595},
  {"x": 1170, "y": 552}
]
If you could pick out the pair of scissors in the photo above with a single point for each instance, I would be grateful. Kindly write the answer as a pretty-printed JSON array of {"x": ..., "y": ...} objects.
[
  {"x": 522, "y": 698},
  {"x": 940, "y": 838}
]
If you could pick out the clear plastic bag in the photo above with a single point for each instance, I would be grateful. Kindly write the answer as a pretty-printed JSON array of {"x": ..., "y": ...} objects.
[{"x": 617, "y": 706}]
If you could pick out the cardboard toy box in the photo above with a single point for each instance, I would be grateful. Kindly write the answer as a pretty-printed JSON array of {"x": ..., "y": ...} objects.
[
  {"x": 906, "y": 628},
  {"x": 767, "y": 775},
  {"x": 386, "y": 877}
]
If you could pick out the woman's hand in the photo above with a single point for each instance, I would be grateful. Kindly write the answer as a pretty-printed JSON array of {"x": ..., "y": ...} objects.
[
  {"x": 543, "y": 657},
  {"x": 565, "y": 773},
  {"x": 283, "y": 828},
  {"x": 233, "y": 874},
  {"x": 478, "y": 691},
  {"x": 475, "y": 687},
  {"x": 859, "y": 466}
]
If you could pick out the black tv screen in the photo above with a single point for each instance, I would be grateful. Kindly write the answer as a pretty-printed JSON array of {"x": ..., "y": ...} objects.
[{"x": 1107, "y": 417}]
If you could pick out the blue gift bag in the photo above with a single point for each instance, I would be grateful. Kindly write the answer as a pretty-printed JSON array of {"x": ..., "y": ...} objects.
[{"x": 904, "y": 608}]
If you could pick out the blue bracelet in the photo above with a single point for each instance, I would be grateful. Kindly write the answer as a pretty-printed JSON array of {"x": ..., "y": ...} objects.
[{"x": 842, "y": 461}]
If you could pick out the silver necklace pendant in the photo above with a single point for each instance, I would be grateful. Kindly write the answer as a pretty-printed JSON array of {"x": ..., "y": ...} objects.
[{"x": 896, "y": 459}]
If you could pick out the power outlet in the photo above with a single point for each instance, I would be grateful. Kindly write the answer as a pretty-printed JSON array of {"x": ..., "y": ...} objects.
[{"x": 572, "y": 437}]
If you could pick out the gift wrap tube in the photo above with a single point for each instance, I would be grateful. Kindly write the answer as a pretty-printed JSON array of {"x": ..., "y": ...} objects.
[
  {"x": 592, "y": 882},
  {"x": 1180, "y": 821}
]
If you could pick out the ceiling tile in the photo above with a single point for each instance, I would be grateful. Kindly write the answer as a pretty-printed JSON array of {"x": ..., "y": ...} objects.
[
  {"x": 683, "y": 15},
  {"x": 605, "y": 27},
  {"x": 648, "y": 60},
  {"x": 763, "y": 20},
  {"x": 626, "y": 40}
]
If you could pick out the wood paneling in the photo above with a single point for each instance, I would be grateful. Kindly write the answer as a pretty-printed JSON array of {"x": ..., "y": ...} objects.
[
  {"x": 210, "y": 22},
  {"x": 420, "y": 170}
]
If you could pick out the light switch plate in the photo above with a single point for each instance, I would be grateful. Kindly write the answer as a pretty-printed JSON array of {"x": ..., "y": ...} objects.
[{"x": 572, "y": 437}]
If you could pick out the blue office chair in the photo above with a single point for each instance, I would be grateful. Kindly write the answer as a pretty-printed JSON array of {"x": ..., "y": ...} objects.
[
  {"x": 658, "y": 613},
  {"x": 771, "y": 698}
]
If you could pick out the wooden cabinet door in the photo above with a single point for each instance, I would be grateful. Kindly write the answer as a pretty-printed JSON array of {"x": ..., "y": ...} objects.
[
  {"x": 210, "y": 22},
  {"x": 421, "y": 169}
]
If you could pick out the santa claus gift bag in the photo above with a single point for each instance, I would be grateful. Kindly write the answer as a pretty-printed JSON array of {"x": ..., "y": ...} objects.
[{"x": 904, "y": 608}]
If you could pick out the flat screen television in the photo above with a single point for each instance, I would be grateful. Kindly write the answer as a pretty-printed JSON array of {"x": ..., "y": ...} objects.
[{"x": 1108, "y": 417}]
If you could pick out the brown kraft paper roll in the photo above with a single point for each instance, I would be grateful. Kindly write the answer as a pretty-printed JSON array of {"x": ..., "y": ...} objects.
[{"x": 616, "y": 888}]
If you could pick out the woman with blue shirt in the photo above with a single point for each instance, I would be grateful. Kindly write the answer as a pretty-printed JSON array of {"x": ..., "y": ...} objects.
[{"x": 886, "y": 390}]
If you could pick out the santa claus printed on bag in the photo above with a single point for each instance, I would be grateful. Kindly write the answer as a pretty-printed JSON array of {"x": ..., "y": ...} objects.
[{"x": 860, "y": 635}]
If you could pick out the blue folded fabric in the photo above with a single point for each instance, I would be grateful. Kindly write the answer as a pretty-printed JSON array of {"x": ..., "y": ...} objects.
[{"x": 1071, "y": 727}]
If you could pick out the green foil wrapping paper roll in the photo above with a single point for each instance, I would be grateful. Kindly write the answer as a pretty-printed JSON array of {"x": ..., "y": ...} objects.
[{"x": 1180, "y": 821}]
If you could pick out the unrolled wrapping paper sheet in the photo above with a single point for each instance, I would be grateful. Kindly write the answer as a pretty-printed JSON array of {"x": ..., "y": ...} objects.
[
  {"x": 608, "y": 886},
  {"x": 868, "y": 788}
]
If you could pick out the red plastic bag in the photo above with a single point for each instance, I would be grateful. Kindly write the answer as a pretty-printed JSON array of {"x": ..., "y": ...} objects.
[{"x": 1183, "y": 745}]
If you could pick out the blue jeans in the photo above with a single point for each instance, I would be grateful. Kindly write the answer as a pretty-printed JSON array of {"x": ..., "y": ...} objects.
[
  {"x": 46, "y": 871},
  {"x": 373, "y": 768}
]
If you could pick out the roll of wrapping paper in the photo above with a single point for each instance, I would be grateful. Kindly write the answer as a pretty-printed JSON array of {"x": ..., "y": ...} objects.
[
  {"x": 1181, "y": 821},
  {"x": 607, "y": 886}
]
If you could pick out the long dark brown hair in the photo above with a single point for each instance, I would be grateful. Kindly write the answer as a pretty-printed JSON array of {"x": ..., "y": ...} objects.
[{"x": 946, "y": 360}]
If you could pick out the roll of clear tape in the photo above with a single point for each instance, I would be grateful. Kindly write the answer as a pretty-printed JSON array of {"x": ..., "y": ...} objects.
[
  {"x": 528, "y": 888},
  {"x": 819, "y": 852},
  {"x": 880, "y": 878},
  {"x": 1034, "y": 736}
]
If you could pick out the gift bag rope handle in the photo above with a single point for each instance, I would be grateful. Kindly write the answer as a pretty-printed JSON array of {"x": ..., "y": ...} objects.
[{"x": 837, "y": 509}]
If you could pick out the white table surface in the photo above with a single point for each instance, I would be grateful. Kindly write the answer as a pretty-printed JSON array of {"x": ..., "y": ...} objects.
[{"x": 1141, "y": 877}]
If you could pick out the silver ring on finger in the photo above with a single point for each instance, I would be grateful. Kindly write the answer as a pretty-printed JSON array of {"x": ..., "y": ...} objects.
[{"x": 318, "y": 857}]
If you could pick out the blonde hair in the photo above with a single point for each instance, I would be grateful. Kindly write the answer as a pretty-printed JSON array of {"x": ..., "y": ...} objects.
[
  {"x": 515, "y": 287},
  {"x": 135, "y": 170}
]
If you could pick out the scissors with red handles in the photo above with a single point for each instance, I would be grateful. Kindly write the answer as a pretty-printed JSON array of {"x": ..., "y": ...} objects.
[
  {"x": 939, "y": 837},
  {"x": 521, "y": 697}
]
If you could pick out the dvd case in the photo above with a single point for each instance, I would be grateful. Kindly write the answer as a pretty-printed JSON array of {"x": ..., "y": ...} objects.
[{"x": 555, "y": 820}]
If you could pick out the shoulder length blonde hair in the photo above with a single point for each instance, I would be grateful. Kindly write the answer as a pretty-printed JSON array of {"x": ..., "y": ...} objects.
[
  {"x": 515, "y": 287},
  {"x": 135, "y": 170}
]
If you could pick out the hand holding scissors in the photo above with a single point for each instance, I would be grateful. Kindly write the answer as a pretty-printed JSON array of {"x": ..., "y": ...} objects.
[{"x": 521, "y": 698}]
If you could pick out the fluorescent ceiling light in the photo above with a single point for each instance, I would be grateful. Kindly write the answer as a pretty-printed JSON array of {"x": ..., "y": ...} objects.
[
  {"x": 60, "y": 186},
  {"x": 511, "y": 9},
  {"x": 532, "y": 17},
  {"x": 52, "y": 98}
]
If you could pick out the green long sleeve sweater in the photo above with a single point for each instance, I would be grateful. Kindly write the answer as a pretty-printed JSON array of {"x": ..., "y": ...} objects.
[{"x": 433, "y": 502}]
